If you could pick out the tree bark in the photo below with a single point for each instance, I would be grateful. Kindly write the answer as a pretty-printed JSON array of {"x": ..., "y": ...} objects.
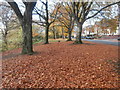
[
  {"x": 69, "y": 35},
  {"x": 89, "y": 32},
  {"x": 46, "y": 34},
  {"x": 5, "y": 45},
  {"x": 26, "y": 23},
  {"x": 47, "y": 24},
  {"x": 79, "y": 39},
  {"x": 54, "y": 33},
  {"x": 63, "y": 37},
  {"x": 27, "y": 32},
  {"x": 97, "y": 32}
]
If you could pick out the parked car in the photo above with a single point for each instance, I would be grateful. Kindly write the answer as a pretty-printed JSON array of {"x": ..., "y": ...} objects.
[{"x": 90, "y": 37}]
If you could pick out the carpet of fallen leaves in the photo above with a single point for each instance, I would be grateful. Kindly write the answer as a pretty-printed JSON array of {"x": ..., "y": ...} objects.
[{"x": 61, "y": 65}]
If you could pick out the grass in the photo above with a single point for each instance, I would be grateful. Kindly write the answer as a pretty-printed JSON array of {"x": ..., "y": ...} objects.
[
  {"x": 38, "y": 42},
  {"x": 15, "y": 43},
  {"x": 14, "y": 39},
  {"x": 57, "y": 40}
]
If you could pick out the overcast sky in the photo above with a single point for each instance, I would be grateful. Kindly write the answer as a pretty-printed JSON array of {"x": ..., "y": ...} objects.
[{"x": 89, "y": 22}]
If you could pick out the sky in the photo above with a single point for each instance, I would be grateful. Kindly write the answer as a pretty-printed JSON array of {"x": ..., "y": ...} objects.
[{"x": 88, "y": 22}]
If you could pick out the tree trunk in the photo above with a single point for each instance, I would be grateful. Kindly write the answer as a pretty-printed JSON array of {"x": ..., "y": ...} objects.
[
  {"x": 27, "y": 32},
  {"x": 5, "y": 45},
  {"x": 57, "y": 35},
  {"x": 97, "y": 32},
  {"x": 47, "y": 24},
  {"x": 63, "y": 33},
  {"x": 78, "y": 39},
  {"x": 46, "y": 34},
  {"x": 26, "y": 23},
  {"x": 89, "y": 32},
  {"x": 69, "y": 35},
  {"x": 54, "y": 34}
]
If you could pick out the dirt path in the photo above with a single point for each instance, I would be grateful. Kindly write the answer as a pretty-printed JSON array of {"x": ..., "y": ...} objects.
[{"x": 62, "y": 65}]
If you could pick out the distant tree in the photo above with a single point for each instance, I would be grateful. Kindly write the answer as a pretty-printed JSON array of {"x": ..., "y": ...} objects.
[
  {"x": 8, "y": 20},
  {"x": 66, "y": 18},
  {"x": 58, "y": 28},
  {"x": 81, "y": 12},
  {"x": 26, "y": 23},
  {"x": 109, "y": 24},
  {"x": 90, "y": 29},
  {"x": 53, "y": 30},
  {"x": 112, "y": 25}
]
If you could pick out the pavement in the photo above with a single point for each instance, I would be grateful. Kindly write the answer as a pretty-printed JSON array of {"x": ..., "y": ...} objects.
[{"x": 114, "y": 42}]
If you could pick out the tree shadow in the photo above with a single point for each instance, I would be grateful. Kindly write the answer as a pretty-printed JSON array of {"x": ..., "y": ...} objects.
[
  {"x": 116, "y": 66},
  {"x": 11, "y": 55},
  {"x": 89, "y": 44}
]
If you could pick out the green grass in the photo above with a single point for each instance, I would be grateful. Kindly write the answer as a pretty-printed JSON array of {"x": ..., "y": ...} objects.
[
  {"x": 14, "y": 39},
  {"x": 38, "y": 42}
]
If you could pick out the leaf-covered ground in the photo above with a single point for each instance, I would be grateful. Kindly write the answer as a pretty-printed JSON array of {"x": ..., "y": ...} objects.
[{"x": 62, "y": 65}]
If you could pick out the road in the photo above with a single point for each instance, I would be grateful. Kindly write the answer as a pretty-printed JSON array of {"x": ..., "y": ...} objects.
[{"x": 104, "y": 42}]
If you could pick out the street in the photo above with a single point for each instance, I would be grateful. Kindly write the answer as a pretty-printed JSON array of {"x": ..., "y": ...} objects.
[{"x": 110, "y": 42}]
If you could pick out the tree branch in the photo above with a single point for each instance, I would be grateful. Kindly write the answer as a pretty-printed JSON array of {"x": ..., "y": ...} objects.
[
  {"x": 102, "y": 9},
  {"x": 16, "y": 9},
  {"x": 43, "y": 16},
  {"x": 55, "y": 15},
  {"x": 42, "y": 2},
  {"x": 39, "y": 23}
]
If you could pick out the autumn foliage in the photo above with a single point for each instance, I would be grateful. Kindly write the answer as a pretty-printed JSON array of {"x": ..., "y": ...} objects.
[{"x": 62, "y": 65}]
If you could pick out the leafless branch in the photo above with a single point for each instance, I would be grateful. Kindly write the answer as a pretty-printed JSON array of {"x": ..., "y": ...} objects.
[{"x": 102, "y": 9}]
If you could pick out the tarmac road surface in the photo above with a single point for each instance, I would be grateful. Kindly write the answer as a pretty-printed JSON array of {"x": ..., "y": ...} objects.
[{"x": 110, "y": 42}]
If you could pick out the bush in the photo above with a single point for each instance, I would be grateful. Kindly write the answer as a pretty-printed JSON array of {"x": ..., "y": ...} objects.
[{"x": 4, "y": 47}]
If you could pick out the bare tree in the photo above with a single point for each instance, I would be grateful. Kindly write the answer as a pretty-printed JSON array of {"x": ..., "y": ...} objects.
[
  {"x": 9, "y": 21},
  {"x": 26, "y": 23},
  {"x": 46, "y": 18}
]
